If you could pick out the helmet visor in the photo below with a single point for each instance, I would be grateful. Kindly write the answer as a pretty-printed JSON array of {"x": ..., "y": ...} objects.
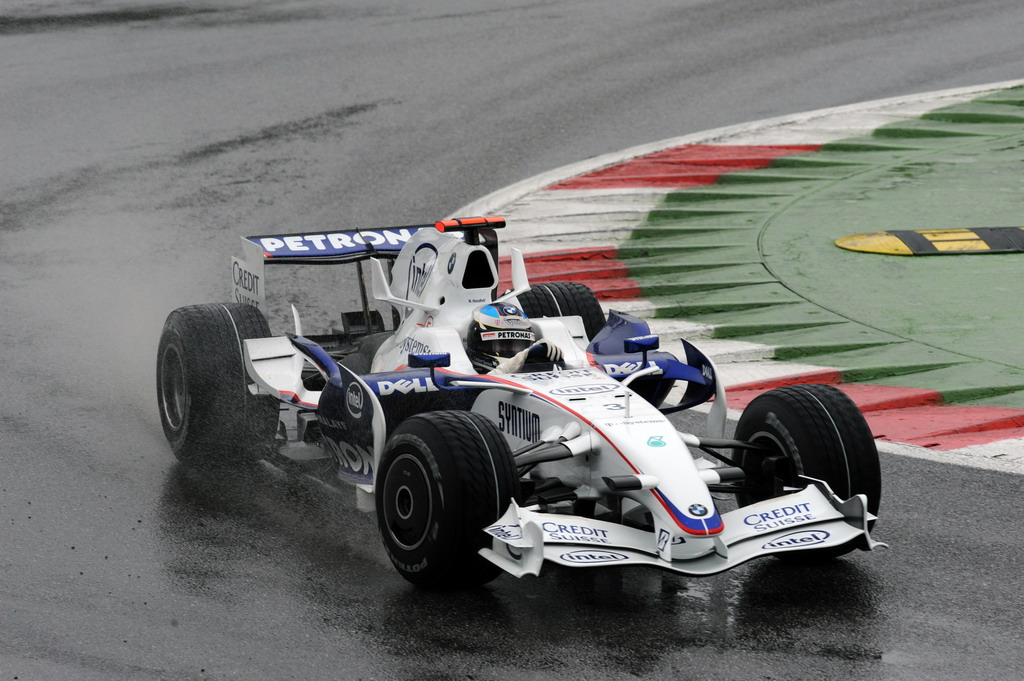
[{"x": 506, "y": 342}]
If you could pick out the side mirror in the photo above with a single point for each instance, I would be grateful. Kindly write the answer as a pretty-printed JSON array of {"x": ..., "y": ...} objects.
[
  {"x": 443, "y": 359},
  {"x": 422, "y": 361},
  {"x": 642, "y": 344}
]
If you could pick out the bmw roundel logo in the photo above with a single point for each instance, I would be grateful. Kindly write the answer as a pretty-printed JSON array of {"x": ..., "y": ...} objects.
[
  {"x": 698, "y": 510},
  {"x": 510, "y": 310},
  {"x": 451, "y": 263}
]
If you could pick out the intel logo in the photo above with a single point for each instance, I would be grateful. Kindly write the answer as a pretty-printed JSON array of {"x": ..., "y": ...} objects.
[
  {"x": 798, "y": 540},
  {"x": 591, "y": 389},
  {"x": 354, "y": 400},
  {"x": 592, "y": 557}
]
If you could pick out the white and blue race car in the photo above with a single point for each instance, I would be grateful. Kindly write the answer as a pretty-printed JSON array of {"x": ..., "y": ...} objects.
[{"x": 567, "y": 457}]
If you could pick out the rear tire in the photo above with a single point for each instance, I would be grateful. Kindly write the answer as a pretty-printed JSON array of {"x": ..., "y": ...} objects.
[
  {"x": 564, "y": 299},
  {"x": 444, "y": 476},
  {"x": 811, "y": 430},
  {"x": 208, "y": 414},
  {"x": 360, "y": 361}
]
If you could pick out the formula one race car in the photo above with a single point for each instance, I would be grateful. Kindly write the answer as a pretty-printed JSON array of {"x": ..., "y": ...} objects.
[{"x": 494, "y": 432}]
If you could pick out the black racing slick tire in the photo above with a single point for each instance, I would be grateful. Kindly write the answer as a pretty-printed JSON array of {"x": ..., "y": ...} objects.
[
  {"x": 811, "y": 430},
  {"x": 360, "y": 361},
  {"x": 444, "y": 476},
  {"x": 208, "y": 414},
  {"x": 564, "y": 299}
]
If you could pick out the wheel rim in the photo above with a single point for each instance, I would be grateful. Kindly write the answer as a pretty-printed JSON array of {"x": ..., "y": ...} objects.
[
  {"x": 172, "y": 387},
  {"x": 408, "y": 502}
]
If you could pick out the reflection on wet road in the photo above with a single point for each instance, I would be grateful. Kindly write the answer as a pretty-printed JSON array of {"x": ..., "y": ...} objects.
[{"x": 223, "y": 538}]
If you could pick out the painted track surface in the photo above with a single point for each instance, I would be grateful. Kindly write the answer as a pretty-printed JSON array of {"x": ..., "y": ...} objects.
[
  {"x": 735, "y": 240},
  {"x": 141, "y": 138}
]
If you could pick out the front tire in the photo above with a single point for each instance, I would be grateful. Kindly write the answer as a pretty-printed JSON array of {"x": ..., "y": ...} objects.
[
  {"x": 564, "y": 299},
  {"x": 815, "y": 431},
  {"x": 208, "y": 414},
  {"x": 444, "y": 477}
]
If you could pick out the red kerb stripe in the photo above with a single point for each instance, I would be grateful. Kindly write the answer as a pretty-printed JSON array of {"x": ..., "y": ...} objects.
[{"x": 691, "y": 165}]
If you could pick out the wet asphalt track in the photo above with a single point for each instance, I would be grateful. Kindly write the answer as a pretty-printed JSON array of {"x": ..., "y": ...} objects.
[{"x": 140, "y": 139}]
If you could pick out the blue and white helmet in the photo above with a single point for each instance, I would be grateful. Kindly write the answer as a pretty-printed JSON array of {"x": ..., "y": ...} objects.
[{"x": 498, "y": 331}]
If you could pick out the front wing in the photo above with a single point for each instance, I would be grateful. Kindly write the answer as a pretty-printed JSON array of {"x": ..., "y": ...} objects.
[{"x": 524, "y": 538}]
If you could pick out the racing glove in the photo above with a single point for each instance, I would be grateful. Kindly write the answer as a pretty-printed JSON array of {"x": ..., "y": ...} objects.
[{"x": 543, "y": 351}]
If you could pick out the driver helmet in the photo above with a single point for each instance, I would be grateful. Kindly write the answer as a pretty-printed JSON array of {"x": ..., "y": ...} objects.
[{"x": 498, "y": 331}]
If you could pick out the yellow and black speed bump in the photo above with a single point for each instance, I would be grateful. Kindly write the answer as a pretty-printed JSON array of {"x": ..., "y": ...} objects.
[{"x": 976, "y": 240}]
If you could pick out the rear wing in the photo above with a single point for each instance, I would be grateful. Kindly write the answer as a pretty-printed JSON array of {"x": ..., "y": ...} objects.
[
  {"x": 337, "y": 248},
  {"x": 333, "y": 247}
]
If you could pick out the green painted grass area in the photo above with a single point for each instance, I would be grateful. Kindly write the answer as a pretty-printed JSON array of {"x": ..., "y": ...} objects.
[
  {"x": 754, "y": 254},
  {"x": 703, "y": 304}
]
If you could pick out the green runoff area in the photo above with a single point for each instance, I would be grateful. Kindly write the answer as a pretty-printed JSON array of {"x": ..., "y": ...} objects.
[{"x": 759, "y": 261}]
